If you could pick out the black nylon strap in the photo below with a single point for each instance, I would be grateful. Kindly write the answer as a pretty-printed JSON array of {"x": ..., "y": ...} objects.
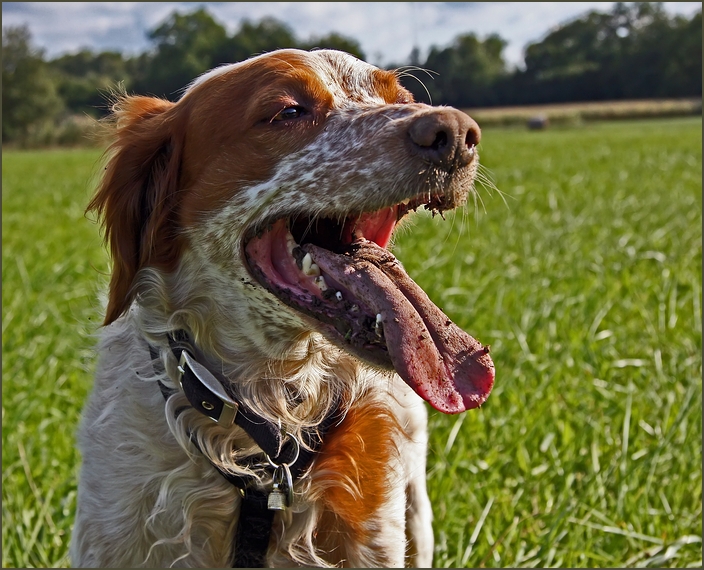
[{"x": 253, "y": 531}]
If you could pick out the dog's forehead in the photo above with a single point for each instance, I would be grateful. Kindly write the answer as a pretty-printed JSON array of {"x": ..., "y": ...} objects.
[
  {"x": 350, "y": 79},
  {"x": 346, "y": 78}
]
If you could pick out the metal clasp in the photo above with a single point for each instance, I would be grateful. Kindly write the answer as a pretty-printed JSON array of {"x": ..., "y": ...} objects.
[
  {"x": 281, "y": 495},
  {"x": 204, "y": 376}
]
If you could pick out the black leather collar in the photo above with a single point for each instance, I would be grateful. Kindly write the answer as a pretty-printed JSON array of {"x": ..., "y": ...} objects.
[
  {"x": 204, "y": 387},
  {"x": 205, "y": 390}
]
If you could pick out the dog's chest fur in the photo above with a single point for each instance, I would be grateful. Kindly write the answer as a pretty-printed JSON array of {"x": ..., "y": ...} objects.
[{"x": 350, "y": 509}]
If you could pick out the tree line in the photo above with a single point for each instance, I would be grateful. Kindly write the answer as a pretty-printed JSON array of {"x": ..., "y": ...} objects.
[{"x": 634, "y": 51}]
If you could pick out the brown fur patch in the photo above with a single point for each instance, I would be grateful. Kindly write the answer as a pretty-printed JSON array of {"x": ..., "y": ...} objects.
[
  {"x": 137, "y": 198},
  {"x": 387, "y": 85},
  {"x": 351, "y": 472}
]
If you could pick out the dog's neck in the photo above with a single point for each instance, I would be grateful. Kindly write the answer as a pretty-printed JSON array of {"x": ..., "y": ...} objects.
[
  {"x": 288, "y": 456},
  {"x": 289, "y": 374},
  {"x": 299, "y": 389}
]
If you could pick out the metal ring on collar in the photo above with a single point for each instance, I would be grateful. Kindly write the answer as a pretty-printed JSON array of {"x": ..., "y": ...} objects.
[{"x": 295, "y": 458}]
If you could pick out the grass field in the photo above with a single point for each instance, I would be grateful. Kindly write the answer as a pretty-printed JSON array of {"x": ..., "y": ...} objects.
[{"x": 586, "y": 282}]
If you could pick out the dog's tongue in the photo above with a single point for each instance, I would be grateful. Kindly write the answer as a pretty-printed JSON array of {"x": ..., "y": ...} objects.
[{"x": 442, "y": 363}]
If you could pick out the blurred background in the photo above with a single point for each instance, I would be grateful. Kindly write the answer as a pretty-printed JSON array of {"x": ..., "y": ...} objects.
[{"x": 60, "y": 59}]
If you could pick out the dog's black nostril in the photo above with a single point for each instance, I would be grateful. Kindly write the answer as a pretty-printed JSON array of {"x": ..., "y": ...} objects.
[
  {"x": 440, "y": 141},
  {"x": 473, "y": 136}
]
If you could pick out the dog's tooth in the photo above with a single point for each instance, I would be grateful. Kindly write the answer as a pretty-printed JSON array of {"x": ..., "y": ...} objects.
[
  {"x": 313, "y": 270},
  {"x": 290, "y": 243},
  {"x": 320, "y": 282},
  {"x": 338, "y": 296},
  {"x": 354, "y": 309},
  {"x": 377, "y": 325},
  {"x": 306, "y": 262}
]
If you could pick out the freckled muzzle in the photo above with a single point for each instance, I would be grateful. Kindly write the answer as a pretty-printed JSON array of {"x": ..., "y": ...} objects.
[{"x": 338, "y": 271}]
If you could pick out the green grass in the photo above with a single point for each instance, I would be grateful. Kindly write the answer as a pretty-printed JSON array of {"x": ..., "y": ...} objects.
[
  {"x": 51, "y": 258},
  {"x": 586, "y": 283}
]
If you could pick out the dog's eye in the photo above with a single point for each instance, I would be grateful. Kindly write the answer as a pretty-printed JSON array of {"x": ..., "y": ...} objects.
[{"x": 293, "y": 112}]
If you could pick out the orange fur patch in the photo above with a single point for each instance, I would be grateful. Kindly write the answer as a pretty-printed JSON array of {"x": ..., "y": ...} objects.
[{"x": 351, "y": 473}]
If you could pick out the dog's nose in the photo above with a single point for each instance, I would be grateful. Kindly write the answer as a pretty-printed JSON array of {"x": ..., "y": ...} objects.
[{"x": 445, "y": 137}]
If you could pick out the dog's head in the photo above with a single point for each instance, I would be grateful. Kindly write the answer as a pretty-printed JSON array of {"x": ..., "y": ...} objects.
[{"x": 275, "y": 185}]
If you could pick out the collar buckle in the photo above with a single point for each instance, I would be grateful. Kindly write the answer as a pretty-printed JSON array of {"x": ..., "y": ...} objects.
[{"x": 204, "y": 392}]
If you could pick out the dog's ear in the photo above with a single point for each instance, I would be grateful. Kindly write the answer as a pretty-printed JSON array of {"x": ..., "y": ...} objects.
[{"x": 137, "y": 196}]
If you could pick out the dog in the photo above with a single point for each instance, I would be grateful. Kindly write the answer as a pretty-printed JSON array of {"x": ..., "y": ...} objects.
[{"x": 262, "y": 371}]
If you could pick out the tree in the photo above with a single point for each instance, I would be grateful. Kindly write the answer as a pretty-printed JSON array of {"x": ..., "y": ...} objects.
[
  {"x": 29, "y": 98},
  {"x": 684, "y": 68},
  {"x": 463, "y": 73},
  {"x": 336, "y": 41},
  {"x": 634, "y": 51},
  {"x": 254, "y": 38},
  {"x": 665, "y": 59},
  {"x": 185, "y": 46},
  {"x": 84, "y": 78},
  {"x": 269, "y": 34}
]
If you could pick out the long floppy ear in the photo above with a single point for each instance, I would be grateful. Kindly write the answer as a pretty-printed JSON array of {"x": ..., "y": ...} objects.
[{"x": 137, "y": 196}]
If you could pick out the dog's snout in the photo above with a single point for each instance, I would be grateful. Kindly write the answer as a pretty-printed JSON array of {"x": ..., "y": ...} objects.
[{"x": 445, "y": 137}]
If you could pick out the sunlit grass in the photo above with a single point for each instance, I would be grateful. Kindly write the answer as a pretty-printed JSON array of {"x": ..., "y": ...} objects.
[
  {"x": 51, "y": 256},
  {"x": 586, "y": 283},
  {"x": 587, "y": 286}
]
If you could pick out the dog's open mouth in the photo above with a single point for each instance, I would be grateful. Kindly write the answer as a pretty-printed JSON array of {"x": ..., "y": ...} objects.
[{"x": 340, "y": 273}]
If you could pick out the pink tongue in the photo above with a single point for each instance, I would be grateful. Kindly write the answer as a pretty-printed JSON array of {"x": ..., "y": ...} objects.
[{"x": 442, "y": 363}]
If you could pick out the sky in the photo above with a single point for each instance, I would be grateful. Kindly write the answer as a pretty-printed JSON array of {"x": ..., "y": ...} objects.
[{"x": 386, "y": 31}]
